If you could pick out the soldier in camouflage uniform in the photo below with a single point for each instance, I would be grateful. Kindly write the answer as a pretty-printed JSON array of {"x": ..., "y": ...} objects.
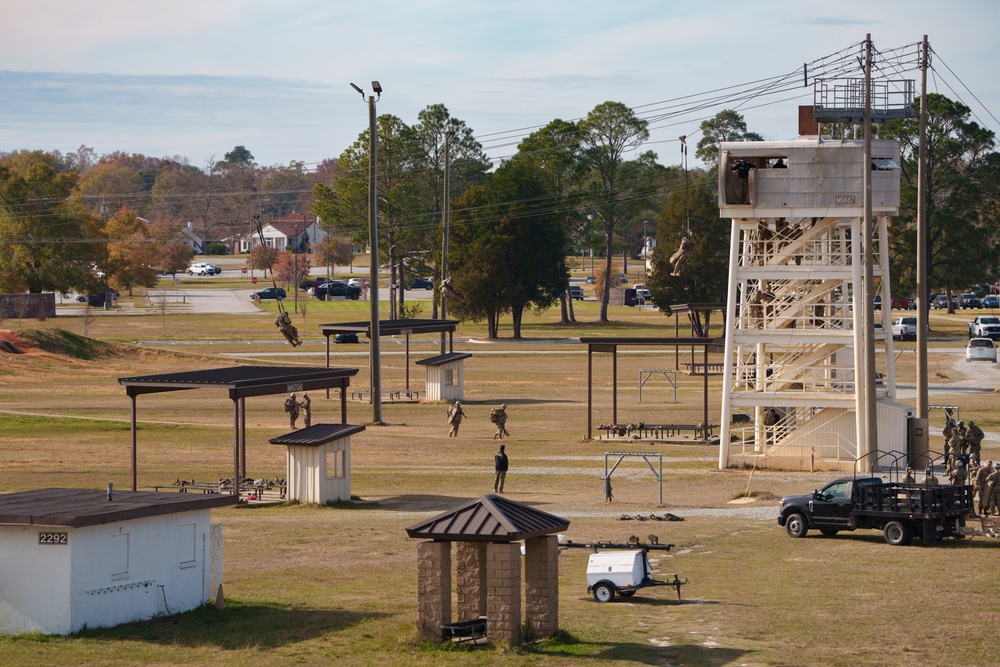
[
  {"x": 499, "y": 418},
  {"x": 975, "y": 436},
  {"x": 992, "y": 495},
  {"x": 306, "y": 406},
  {"x": 291, "y": 408},
  {"x": 980, "y": 482}
]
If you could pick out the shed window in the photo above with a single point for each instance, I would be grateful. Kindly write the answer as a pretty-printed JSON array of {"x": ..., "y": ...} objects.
[
  {"x": 187, "y": 545},
  {"x": 336, "y": 465},
  {"x": 449, "y": 377},
  {"x": 118, "y": 556}
]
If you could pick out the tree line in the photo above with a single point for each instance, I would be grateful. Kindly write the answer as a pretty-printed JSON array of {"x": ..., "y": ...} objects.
[{"x": 572, "y": 187}]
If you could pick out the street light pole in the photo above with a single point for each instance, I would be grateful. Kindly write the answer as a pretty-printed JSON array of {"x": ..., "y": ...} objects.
[
  {"x": 447, "y": 223},
  {"x": 374, "y": 349}
]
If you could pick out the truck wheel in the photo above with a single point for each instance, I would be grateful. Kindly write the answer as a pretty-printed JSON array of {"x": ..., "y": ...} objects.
[
  {"x": 604, "y": 593},
  {"x": 796, "y": 525},
  {"x": 829, "y": 532},
  {"x": 897, "y": 533}
]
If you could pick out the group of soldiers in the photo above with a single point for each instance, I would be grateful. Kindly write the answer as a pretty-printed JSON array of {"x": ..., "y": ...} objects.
[
  {"x": 959, "y": 441},
  {"x": 293, "y": 408},
  {"x": 964, "y": 444},
  {"x": 498, "y": 417}
]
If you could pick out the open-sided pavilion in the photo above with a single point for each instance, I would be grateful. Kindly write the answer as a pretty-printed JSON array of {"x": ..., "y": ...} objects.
[
  {"x": 611, "y": 344},
  {"x": 241, "y": 382},
  {"x": 399, "y": 327}
]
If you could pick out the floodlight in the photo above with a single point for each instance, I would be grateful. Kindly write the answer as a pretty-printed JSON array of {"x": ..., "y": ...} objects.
[
  {"x": 358, "y": 89},
  {"x": 377, "y": 87}
]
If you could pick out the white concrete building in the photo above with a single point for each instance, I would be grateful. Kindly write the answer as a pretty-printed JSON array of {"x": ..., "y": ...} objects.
[{"x": 73, "y": 558}]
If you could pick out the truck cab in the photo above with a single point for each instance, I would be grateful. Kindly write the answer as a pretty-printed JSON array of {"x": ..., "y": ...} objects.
[{"x": 829, "y": 508}]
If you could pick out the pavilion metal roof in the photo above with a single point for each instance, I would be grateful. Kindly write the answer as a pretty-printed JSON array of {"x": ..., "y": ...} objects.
[
  {"x": 242, "y": 381},
  {"x": 443, "y": 359},
  {"x": 392, "y": 327},
  {"x": 491, "y": 518},
  {"x": 318, "y": 434},
  {"x": 75, "y": 508}
]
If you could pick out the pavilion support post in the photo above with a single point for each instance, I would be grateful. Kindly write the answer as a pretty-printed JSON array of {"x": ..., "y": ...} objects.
[
  {"x": 243, "y": 436},
  {"x": 343, "y": 404},
  {"x": 590, "y": 392},
  {"x": 328, "y": 365},
  {"x": 503, "y": 591},
  {"x": 541, "y": 585},
  {"x": 134, "y": 438},
  {"x": 407, "y": 362},
  {"x": 470, "y": 579},
  {"x": 433, "y": 589},
  {"x": 705, "y": 398},
  {"x": 614, "y": 384},
  {"x": 236, "y": 447}
]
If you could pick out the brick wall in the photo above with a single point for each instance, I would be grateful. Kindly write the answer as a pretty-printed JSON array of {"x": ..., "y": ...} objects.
[{"x": 433, "y": 589}]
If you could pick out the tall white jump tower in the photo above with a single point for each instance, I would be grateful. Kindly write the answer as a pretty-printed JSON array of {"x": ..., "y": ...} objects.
[{"x": 793, "y": 312}]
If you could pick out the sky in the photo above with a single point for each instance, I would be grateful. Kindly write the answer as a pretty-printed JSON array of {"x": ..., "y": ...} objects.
[{"x": 195, "y": 78}]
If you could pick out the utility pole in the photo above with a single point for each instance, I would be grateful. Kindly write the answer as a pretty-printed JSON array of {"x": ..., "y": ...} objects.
[
  {"x": 295, "y": 266},
  {"x": 868, "y": 232},
  {"x": 447, "y": 224},
  {"x": 923, "y": 294},
  {"x": 374, "y": 350}
]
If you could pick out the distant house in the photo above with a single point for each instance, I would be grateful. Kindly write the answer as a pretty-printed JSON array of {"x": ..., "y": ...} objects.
[
  {"x": 192, "y": 238},
  {"x": 295, "y": 230}
]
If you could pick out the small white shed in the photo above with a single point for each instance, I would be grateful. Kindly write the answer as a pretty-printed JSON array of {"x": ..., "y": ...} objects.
[
  {"x": 319, "y": 462},
  {"x": 445, "y": 376},
  {"x": 75, "y": 558}
]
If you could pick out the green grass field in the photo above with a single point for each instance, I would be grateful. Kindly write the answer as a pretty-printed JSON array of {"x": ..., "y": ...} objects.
[{"x": 318, "y": 586}]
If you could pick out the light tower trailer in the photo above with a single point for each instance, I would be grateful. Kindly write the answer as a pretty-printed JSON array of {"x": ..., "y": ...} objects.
[{"x": 623, "y": 569}]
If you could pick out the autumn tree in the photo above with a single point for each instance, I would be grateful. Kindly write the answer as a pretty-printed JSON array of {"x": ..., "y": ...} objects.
[
  {"x": 333, "y": 251},
  {"x": 132, "y": 252},
  {"x": 292, "y": 268}
]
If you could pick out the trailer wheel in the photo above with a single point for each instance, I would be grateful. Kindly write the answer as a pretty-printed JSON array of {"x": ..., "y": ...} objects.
[
  {"x": 796, "y": 525},
  {"x": 626, "y": 594},
  {"x": 897, "y": 533},
  {"x": 604, "y": 592},
  {"x": 829, "y": 532}
]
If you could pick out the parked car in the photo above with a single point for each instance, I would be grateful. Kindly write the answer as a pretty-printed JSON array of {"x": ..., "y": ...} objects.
[
  {"x": 591, "y": 280},
  {"x": 900, "y": 303},
  {"x": 969, "y": 300},
  {"x": 940, "y": 301},
  {"x": 336, "y": 290},
  {"x": 270, "y": 293},
  {"x": 313, "y": 282},
  {"x": 985, "y": 326},
  {"x": 354, "y": 282},
  {"x": 421, "y": 283},
  {"x": 981, "y": 349},
  {"x": 642, "y": 294},
  {"x": 991, "y": 301},
  {"x": 905, "y": 328},
  {"x": 346, "y": 338},
  {"x": 203, "y": 269},
  {"x": 576, "y": 292}
]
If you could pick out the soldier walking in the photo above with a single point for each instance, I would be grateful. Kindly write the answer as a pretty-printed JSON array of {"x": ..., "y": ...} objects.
[
  {"x": 500, "y": 465},
  {"x": 499, "y": 417},
  {"x": 455, "y": 416}
]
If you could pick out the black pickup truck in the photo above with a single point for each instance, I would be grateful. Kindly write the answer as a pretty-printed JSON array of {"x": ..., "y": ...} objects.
[{"x": 900, "y": 511}]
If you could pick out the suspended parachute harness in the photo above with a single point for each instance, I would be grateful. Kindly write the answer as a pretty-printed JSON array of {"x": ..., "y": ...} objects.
[{"x": 283, "y": 321}]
